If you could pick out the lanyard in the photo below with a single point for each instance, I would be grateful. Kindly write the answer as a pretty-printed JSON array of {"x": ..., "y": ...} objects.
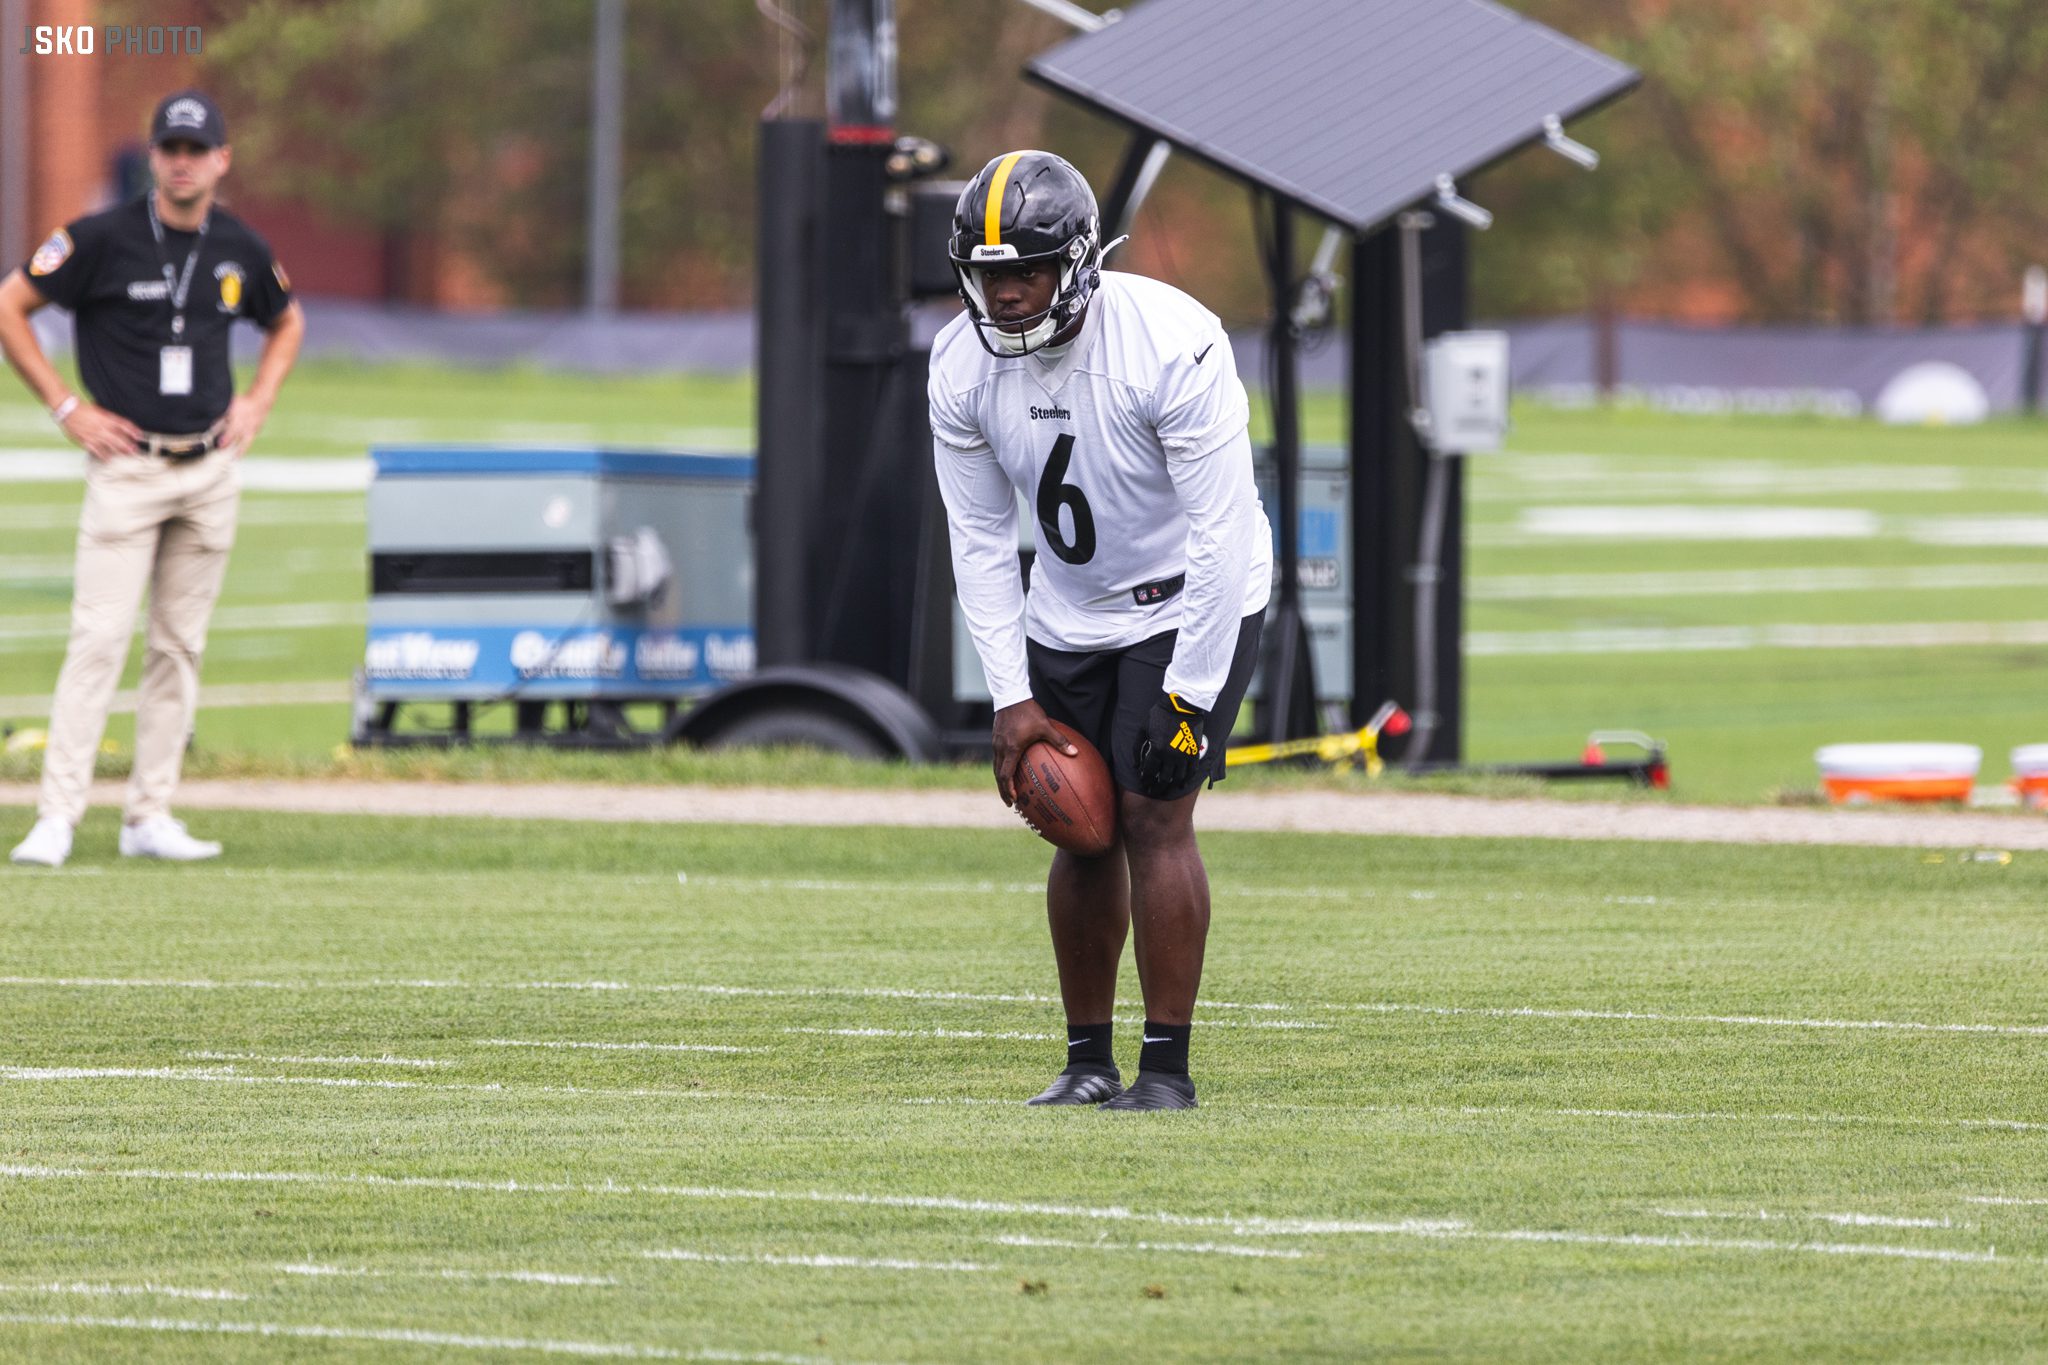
[{"x": 180, "y": 285}]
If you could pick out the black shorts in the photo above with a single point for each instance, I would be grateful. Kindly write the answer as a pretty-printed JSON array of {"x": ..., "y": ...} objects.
[{"x": 1108, "y": 694}]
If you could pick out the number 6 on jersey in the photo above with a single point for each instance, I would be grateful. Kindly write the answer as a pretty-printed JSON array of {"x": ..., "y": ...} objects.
[{"x": 1054, "y": 492}]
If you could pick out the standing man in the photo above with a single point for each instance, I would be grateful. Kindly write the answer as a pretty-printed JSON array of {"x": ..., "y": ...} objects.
[
  {"x": 1111, "y": 403},
  {"x": 154, "y": 287}
]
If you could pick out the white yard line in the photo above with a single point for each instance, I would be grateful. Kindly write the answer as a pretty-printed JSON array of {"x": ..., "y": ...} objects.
[
  {"x": 814, "y": 1262},
  {"x": 385, "y": 1060},
  {"x": 259, "y": 511},
  {"x": 1650, "y": 1241},
  {"x": 286, "y": 616},
  {"x": 1579, "y": 587},
  {"x": 1262, "y": 1226},
  {"x": 260, "y": 473},
  {"x": 565, "y": 1044},
  {"x": 553, "y": 1277},
  {"x": 923, "y": 1033},
  {"x": 1846, "y": 1220},
  {"x": 1183, "y": 1248},
  {"x": 226, "y": 696},
  {"x": 1723, "y": 639},
  {"x": 403, "y": 1336},
  {"x": 230, "y": 1076},
  {"x": 905, "y": 993},
  {"x": 148, "y": 1290},
  {"x": 1733, "y": 1020}
]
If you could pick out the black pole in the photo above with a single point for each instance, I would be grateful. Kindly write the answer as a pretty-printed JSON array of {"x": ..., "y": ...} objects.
[
  {"x": 1389, "y": 471},
  {"x": 1290, "y": 671},
  {"x": 2030, "y": 369},
  {"x": 789, "y": 366}
]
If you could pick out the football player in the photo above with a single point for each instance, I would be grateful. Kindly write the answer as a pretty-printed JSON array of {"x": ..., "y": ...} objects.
[{"x": 1110, "y": 402}]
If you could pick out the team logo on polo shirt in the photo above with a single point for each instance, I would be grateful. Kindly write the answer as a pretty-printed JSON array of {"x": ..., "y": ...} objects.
[
  {"x": 230, "y": 276},
  {"x": 51, "y": 254}
]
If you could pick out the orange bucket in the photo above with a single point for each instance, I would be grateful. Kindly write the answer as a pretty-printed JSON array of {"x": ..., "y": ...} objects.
[
  {"x": 1865, "y": 774},
  {"x": 2030, "y": 775}
]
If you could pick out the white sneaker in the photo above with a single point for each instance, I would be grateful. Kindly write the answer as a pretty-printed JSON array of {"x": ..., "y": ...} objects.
[
  {"x": 162, "y": 837},
  {"x": 47, "y": 845}
]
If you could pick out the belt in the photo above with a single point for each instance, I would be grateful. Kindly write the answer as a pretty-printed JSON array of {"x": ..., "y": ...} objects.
[
  {"x": 1152, "y": 594},
  {"x": 187, "y": 447}
]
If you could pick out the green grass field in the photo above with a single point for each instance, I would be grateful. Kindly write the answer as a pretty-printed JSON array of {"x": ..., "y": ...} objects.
[
  {"x": 405, "y": 1090},
  {"x": 1745, "y": 588}
]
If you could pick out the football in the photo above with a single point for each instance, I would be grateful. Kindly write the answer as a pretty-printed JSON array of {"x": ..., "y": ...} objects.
[{"x": 1069, "y": 800}]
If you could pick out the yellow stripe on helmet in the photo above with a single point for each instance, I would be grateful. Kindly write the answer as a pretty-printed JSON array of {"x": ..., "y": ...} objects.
[{"x": 992, "y": 224}]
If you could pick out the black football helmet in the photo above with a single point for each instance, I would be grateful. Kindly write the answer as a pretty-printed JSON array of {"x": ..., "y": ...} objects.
[{"x": 1027, "y": 206}]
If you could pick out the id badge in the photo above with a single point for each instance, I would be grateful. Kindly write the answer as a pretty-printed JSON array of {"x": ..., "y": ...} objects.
[{"x": 174, "y": 371}]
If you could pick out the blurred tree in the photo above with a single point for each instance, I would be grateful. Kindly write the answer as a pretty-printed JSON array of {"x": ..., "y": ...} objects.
[{"x": 1827, "y": 160}]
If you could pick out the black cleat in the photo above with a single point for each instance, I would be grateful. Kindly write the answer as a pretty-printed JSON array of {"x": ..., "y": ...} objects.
[
  {"x": 1081, "y": 1087},
  {"x": 1156, "y": 1090}
]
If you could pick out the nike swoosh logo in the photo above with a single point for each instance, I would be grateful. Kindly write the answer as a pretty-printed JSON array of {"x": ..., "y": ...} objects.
[
  {"x": 1159, "y": 1040},
  {"x": 1204, "y": 351},
  {"x": 1077, "y": 1042}
]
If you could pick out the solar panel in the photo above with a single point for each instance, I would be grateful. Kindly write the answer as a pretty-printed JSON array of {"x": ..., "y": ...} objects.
[{"x": 1350, "y": 108}]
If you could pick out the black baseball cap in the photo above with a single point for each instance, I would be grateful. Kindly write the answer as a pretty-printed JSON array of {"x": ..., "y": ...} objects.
[{"x": 188, "y": 116}]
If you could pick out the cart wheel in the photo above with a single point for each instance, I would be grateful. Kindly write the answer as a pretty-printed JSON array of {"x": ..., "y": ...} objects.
[{"x": 793, "y": 727}]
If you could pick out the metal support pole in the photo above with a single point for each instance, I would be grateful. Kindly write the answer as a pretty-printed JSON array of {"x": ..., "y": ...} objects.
[
  {"x": 607, "y": 136},
  {"x": 1144, "y": 158},
  {"x": 1290, "y": 671},
  {"x": 2034, "y": 310}
]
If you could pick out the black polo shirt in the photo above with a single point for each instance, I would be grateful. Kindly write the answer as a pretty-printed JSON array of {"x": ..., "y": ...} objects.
[{"x": 106, "y": 268}]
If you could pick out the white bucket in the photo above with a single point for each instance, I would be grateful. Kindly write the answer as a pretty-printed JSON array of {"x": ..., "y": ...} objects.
[{"x": 1861, "y": 773}]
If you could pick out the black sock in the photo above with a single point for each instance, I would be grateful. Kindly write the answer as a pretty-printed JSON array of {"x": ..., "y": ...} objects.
[
  {"x": 1088, "y": 1047},
  {"x": 1166, "y": 1048}
]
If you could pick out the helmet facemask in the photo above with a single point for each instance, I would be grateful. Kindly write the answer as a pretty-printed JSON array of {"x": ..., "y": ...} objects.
[{"x": 1079, "y": 269}]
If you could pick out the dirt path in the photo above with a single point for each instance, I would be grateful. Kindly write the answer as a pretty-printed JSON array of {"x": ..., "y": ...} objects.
[{"x": 1309, "y": 812}]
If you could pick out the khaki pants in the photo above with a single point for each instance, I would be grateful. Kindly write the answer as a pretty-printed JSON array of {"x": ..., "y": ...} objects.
[{"x": 167, "y": 525}]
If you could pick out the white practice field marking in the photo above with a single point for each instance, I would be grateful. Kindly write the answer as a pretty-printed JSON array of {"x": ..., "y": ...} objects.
[
  {"x": 514, "y": 1276},
  {"x": 1659, "y": 524},
  {"x": 814, "y": 1262},
  {"x": 923, "y": 1033},
  {"x": 1260, "y": 1226},
  {"x": 1579, "y": 587},
  {"x": 421, "y": 1063},
  {"x": 2015, "y": 531},
  {"x": 1448, "y": 1229},
  {"x": 228, "y": 1075},
  {"x": 404, "y": 1336},
  {"x": 2006, "y": 1201},
  {"x": 92, "y": 1290},
  {"x": 612, "y": 1047},
  {"x": 1845, "y": 1220},
  {"x": 1182, "y": 1248},
  {"x": 906, "y": 993},
  {"x": 260, "y": 474},
  {"x": 289, "y": 616},
  {"x": 223, "y": 697},
  {"x": 1679, "y": 476},
  {"x": 1726, "y": 639},
  {"x": 254, "y": 512},
  {"x": 1732, "y": 1020},
  {"x": 1620, "y": 1239}
]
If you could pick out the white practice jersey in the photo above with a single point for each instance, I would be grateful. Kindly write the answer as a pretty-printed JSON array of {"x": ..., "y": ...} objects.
[{"x": 1131, "y": 452}]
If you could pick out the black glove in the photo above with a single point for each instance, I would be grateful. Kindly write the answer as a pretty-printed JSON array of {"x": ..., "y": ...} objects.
[{"x": 1170, "y": 745}]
